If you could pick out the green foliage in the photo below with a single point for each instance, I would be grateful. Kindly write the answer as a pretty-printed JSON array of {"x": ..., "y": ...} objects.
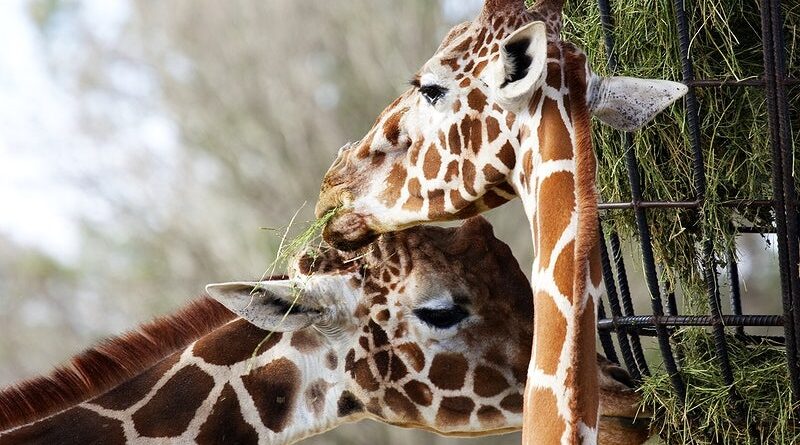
[{"x": 707, "y": 415}]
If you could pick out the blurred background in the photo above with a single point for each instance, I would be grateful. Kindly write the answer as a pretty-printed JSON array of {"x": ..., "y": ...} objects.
[{"x": 146, "y": 145}]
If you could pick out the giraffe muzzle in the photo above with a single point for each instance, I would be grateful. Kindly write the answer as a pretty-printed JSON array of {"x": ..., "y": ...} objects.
[{"x": 348, "y": 231}]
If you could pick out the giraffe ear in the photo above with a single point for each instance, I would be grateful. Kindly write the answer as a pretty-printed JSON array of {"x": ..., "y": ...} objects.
[
  {"x": 275, "y": 305},
  {"x": 520, "y": 69},
  {"x": 627, "y": 103}
]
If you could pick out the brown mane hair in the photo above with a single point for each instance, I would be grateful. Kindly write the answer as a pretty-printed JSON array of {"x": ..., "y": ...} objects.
[{"x": 107, "y": 364}]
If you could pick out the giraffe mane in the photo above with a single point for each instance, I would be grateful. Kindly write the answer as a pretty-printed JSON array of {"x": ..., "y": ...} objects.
[{"x": 108, "y": 363}]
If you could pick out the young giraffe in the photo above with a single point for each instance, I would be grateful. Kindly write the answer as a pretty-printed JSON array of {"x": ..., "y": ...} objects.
[
  {"x": 503, "y": 110},
  {"x": 430, "y": 329}
]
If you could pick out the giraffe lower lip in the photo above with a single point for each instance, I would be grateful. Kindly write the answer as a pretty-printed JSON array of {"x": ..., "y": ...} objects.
[{"x": 348, "y": 232}]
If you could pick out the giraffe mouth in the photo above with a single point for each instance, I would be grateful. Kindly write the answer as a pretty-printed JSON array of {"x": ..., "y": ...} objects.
[{"x": 349, "y": 231}]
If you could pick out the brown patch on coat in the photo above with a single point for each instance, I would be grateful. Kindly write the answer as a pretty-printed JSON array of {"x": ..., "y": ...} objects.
[
  {"x": 414, "y": 201},
  {"x": 488, "y": 382},
  {"x": 476, "y": 100},
  {"x": 550, "y": 331},
  {"x": 512, "y": 403},
  {"x": 76, "y": 426},
  {"x": 418, "y": 392},
  {"x": 492, "y": 175},
  {"x": 226, "y": 424},
  {"x": 315, "y": 396},
  {"x": 476, "y": 135},
  {"x": 554, "y": 140},
  {"x": 454, "y": 411},
  {"x": 180, "y": 396},
  {"x": 394, "y": 185},
  {"x": 413, "y": 355},
  {"x": 554, "y": 75},
  {"x": 453, "y": 140},
  {"x": 584, "y": 380},
  {"x": 507, "y": 155},
  {"x": 435, "y": 205},
  {"x": 556, "y": 204},
  {"x": 362, "y": 374},
  {"x": 492, "y": 129},
  {"x": 401, "y": 405},
  {"x": 391, "y": 128},
  {"x": 234, "y": 343},
  {"x": 468, "y": 176},
  {"x": 274, "y": 389},
  {"x": 128, "y": 393},
  {"x": 448, "y": 370},
  {"x": 432, "y": 163},
  {"x": 331, "y": 360},
  {"x": 564, "y": 271},
  {"x": 490, "y": 417},
  {"x": 452, "y": 171},
  {"x": 381, "y": 359},
  {"x": 348, "y": 405},
  {"x": 306, "y": 340},
  {"x": 541, "y": 404}
]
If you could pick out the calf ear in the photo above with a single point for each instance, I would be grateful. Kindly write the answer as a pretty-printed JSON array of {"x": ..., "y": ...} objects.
[
  {"x": 275, "y": 305},
  {"x": 628, "y": 103},
  {"x": 520, "y": 68}
]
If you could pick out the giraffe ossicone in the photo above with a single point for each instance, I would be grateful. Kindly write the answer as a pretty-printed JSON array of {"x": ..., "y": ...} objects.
[
  {"x": 429, "y": 328},
  {"x": 501, "y": 110}
]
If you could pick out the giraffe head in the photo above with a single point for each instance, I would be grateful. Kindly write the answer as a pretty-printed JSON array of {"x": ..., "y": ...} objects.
[
  {"x": 433, "y": 325},
  {"x": 447, "y": 148},
  {"x": 428, "y": 328}
]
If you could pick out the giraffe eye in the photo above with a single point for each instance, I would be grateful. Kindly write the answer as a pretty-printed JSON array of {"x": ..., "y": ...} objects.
[
  {"x": 442, "y": 318},
  {"x": 432, "y": 93}
]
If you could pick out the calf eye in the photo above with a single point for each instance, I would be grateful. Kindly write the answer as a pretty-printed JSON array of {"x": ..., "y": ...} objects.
[
  {"x": 432, "y": 93},
  {"x": 442, "y": 318}
]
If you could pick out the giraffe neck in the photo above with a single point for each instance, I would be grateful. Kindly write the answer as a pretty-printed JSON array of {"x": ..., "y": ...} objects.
[
  {"x": 554, "y": 176},
  {"x": 211, "y": 392}
]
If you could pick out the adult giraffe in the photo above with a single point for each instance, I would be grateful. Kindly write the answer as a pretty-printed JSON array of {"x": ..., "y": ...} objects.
[
  {"x": 502, "y": 110},
  {"x": 431, "y": 329}
]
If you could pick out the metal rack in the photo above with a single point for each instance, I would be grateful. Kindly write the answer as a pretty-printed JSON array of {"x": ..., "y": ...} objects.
[{"x": 621, "y": 320}]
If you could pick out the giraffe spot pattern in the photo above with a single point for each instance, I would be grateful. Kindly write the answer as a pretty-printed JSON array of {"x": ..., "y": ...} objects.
[
  {"x": 564, "y": 272},
  {"x": 128, "y": 393},
  {"x": 554, "y": 139},
  {"x": 544, "y": 406},
  {"x": 488, "y": 382},
  {"x": 413, "y": 356},
  {"x": 556, "y": 204},
  {"x": 432, "y": 163},
  {"x": 454, "y": 411},
  {"x": 476, "y": 100},
  {"x": 418, "y": 392},
  {"x": 548, "y": 345},
  {"x": 306, "y": 341},
  {"x": 448, "y": 370},
  {"x": 507, "y": 155},
  {"x": 226, "y": 424},
  {"x": 512, "y": 403},
  {"x": 247, "y": 336},
  {"x": 181, "y": 396},
  {"x": 391, "y": 128},
  {"x": 490, "y": 417},
  {"x": 315, "y": 395},
  {"x": 492, "y": 129},
  {"x": 468, "y": 176},
  {"x": 401, "y": 405},
  {"x": 76, "y": 426},
  {"x": 435, "y": 204},
  {"x": 394, "y": 185},
  {"x": 274, "y": 389},
  {"x": 348, "y": 404}
]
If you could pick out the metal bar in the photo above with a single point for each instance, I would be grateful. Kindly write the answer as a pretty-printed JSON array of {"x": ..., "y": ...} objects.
[
  {"x": 613, "y": 302},
  {"x": 736, "y": 297},
  {"x": 627, "y": 302},
  {"x": 605, "y": 337},
  {"x": 699, "y": 177},
  {"x": 683, "y": 204},
  {"x": 785, "y": 142},
  {"x": 648, "y": 321},
  {"x": 789, "y": 328}
]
